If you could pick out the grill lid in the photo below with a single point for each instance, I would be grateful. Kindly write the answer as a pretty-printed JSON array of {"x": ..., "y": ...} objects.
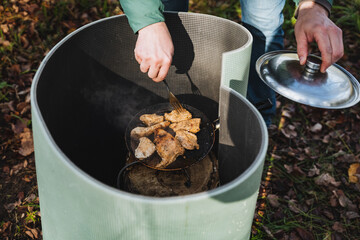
[{"x": 334, "y": 89}]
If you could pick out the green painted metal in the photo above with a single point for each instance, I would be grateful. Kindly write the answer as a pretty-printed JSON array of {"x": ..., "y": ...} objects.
[
  {"x": 235, "y": 68},
  {"x": 76, "y": 205}
]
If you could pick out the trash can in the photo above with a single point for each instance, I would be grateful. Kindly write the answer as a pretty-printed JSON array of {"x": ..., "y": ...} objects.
[{"x": 88, "y": 88}]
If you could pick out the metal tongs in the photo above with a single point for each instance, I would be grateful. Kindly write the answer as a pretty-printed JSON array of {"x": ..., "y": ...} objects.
[{"x": 173, "y": 100}]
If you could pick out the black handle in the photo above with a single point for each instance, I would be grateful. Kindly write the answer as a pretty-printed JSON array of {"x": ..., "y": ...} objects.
[{"x": 118, "y": 180}]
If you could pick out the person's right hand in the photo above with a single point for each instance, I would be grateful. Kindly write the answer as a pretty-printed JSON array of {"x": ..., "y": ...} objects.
[
  {"x": 154, "y": 50},
  {"x": 313, "y": 24}
]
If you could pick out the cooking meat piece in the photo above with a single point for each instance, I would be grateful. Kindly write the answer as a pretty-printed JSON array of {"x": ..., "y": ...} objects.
[
  {"x": 151, "y": 119},
  {"x": 192, "y": 125},
  {"x": 176, "y": 116},
  {"x": 139, "y": 132},
  {"x": 167, "y": 147},
  {"x": 187, "y": 139},
  {"x": 145, "y": 148}
]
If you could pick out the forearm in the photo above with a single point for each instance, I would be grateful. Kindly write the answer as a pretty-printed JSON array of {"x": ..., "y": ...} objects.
[
  {"x": 143, "y": 13},
  {"x": 327, "y": 4}
]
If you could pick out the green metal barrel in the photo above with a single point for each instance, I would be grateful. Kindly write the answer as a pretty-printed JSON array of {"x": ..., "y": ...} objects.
[{"x": 88, "y": 88}]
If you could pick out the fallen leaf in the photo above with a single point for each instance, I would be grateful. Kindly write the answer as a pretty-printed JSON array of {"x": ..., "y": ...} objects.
[
  {"x": 328, "y": 214},
  {"x": 286, "y": 113},
  {"x": 31, "y": 8},
  {"x": 289, "y": 168},
  {"x": 5, "y": 226},
  {"x": 29, "y": 233},
  {"x": 11, "y": 106},
  {"x": 6, "y": 169},
  {"x": 27, "y": 145},
  {"x": 301, "y": 157},
  {"x": 347, "y": 158},
  {"x": 16, "y": 168},
  {"x": 273, "y": 200},
  {"x": 21, "y": 106},
  {"x": 15, "y": 69},
  {"x": 326, "y": 179},
  {"x": 293, "y": 206},
  {"x": 338, "y": 227},
  {"x": 344, "y": 201},
  {"x": 24, "y": 41},
  {"x": 293, "y": 236},
  {"x": 326, "y": 139},
  {"x": 18, "y": 127},
  {"x": 30, "y": 198},
  {"x": 298, "y": 170},
  {"x": 352, "y": 215},
  {"x": 20, "y": 195},
  {"x": 16, "y": 8},
  {"x": 288, "y": 132},
  {"x": 11, "y": 206},
  {"x": 274, "y": 156},
  {"x": 333, "y": 201},
  {"x": 35, "y": 233},
  {"x": 331, "y": 123},
  {"x": 310, "y": 201},
  {"x": 354, "y": 169},
  {"x": 26, "y": 179},
  {"x": 4, "y": 28},
  {"x": 316, "y": 128},
  {"x": 313, "y": 171},
  {"x": 304, "y": 234},
  {"x": 5, "y": 43}
]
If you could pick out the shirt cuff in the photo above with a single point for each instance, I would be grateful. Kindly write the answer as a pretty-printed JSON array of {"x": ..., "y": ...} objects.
[{"x": 143, "y": 14}]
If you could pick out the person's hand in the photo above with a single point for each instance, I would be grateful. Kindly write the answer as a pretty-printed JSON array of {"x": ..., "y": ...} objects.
[
  {"x": 154, "y": 50},
  {"x": 313, "y": 24}
]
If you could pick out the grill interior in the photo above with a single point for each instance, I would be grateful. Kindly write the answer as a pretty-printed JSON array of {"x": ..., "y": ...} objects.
[{"x": 91, "y": 87}]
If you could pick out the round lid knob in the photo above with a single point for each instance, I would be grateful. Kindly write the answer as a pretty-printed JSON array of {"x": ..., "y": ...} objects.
[
  {"x": 334, "y": 89},
  {"x": 312, "y": 64}
]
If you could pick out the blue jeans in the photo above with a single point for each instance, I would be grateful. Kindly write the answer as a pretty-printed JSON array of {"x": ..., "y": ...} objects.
[
  {"x": 176, "y": 5},
  {"x": 264, "y": 19}
]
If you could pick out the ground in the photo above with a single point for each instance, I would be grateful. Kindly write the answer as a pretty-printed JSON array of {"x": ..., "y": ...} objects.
[{"x": 310, "y": 187}]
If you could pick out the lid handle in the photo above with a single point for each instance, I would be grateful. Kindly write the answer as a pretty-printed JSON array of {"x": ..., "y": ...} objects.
[{"x": 312, "y": 64}]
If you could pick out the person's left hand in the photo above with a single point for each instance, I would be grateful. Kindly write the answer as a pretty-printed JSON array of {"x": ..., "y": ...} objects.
[{"x": 313, "y": 24}]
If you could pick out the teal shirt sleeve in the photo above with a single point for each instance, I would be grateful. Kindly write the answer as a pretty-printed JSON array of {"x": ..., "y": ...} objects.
[{"x": 143, "y": 13}]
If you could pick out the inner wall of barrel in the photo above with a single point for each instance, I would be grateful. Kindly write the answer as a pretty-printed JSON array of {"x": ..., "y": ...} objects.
[{"x": 91, "y": 86}]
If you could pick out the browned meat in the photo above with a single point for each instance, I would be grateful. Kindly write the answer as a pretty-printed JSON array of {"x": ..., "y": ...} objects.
[
  {"x": 145, "y": 148},
  {"x": 167, "y": 147},
  {"x": 187, "y": 139},
  {"x": 176, "y": 116},
  {"x": 192, "y": 125},
  {"x": 151, "y": 119},
  {"x": 139, "y": 132}
]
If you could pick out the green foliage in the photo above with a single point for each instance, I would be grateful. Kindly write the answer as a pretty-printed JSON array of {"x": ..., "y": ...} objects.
[
  {"x": 17, "y": 231},
  {"x": 3, "y": 92},
  {"x": 28, "y": 122},
  {"x": 4, "y": 85},
  {"x": 289, "y": 20},
  {"x": 31, "y": 216},
  {"x": 229, "y": 9},
  {"x": 349, "y": 16}
]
